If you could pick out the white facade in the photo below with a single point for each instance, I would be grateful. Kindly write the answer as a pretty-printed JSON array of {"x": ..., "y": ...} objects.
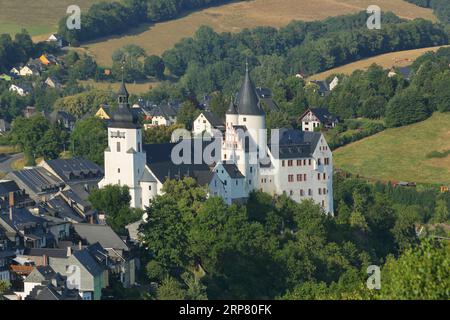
[
  {"x": 19, "y": 90},
  {"x": 310, "y": 122},
  {"x": 125, "y": 161}
]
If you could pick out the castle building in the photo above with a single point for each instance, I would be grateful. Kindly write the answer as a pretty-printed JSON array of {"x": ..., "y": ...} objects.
[{"x": 296, "y": 163}]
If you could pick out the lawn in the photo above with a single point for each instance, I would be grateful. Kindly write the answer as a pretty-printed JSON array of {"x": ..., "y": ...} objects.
[
  {"x": 401, "y": 154},
  {"x": 38, "y": 17},
  {"x": 388, "y": 60}
]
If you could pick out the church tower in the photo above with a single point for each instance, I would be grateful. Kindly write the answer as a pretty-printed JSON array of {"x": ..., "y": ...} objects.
[{"x": 124, "y": 157}]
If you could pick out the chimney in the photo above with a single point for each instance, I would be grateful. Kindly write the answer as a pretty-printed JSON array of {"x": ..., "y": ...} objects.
[
  {"x": 11, "y": 205},
  {"x": 79, "y": 245},
  {"x": 69, "y": 251},
  {"x": 44, "y": 260}
]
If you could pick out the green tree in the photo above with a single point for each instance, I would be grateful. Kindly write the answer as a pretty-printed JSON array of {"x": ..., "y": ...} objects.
[
  {"x": 4, "y": 287},
  {"x": 187, "y": 114},
  {"x": 170, "y": 289},
  {"x": 115, "y": 200},
  {"x": 154, "y": 67},
  {"x": 420, "y": 273},
  {"x": 89, "y": 139}
]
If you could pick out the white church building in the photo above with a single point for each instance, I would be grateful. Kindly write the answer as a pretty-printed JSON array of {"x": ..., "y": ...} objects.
[{"x": 296, "y": 163}]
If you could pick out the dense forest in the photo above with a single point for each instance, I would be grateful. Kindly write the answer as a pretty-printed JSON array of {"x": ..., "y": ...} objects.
[
  {"x": 108, "y": 18},
  {"x": 441, "y": 8},
  {"x": 197, "y": 247}
]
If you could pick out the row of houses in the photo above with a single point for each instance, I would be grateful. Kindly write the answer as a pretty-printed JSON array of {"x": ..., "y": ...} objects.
[{"x": 47, "y": 224}]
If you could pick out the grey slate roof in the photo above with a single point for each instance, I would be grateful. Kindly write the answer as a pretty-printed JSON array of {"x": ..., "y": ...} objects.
[
  {"x": 323, "y": 115},
  {"x": 160, "y": 163},
  {"x": 7, "y": 186},
  {"x": 102, "y": 234},
  {"x": 248, "y": 101},
  {"x": 233, "y": 171},
  {"x": 213, "y": 119},
  {"x": 38, "y": 180},
  {"x": 41, "y": 274},
  {"x": 49, "y": 252},
  {"x": 75, "y": 169},
  {"x": 88, "y": 262},
  {"x": 294, "y": 144}
]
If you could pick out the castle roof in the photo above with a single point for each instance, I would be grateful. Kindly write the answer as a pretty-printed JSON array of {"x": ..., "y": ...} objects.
[{"x": 248, "y": 101}]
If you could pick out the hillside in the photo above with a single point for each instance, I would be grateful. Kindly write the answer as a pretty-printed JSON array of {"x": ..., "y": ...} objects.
[
  {"x": 38, "y": 17},
  {"x": 388, "y": 60},
  {"x": 234, "y": 17},
  {"x": 401, "y": 153}
]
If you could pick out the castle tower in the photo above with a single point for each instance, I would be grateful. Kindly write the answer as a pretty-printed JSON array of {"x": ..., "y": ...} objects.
[{"x": 124, "y": 158}]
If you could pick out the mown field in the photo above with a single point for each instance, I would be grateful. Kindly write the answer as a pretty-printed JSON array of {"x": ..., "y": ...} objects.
[
  {"x": 234, "y": 17},
  {"x": 388, "y": 60},
  {"x": 400, "y": 154},
  {"x": 133, "y": 88},
  {"x": 38, "y": 17}
]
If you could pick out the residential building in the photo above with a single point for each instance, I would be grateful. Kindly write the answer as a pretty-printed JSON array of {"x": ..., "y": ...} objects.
[{"x": 315, "y": 118}]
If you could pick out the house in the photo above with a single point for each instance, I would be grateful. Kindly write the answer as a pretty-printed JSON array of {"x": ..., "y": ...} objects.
[
  {"x": 57, "y": 39},
  {"x": 14, "y": 71},
  {"x": 228, "y": 183},
  {"x": 62, "y": 118},
  {"x": 5, "y": 126},
  {"x": 6, "y": 258},
  {"x": 12, "y": 195},
  {"x": 315, "y": 118},
  {"x": 28, "y": 71},
  {"x": 53, "y": 82},
  {"x": 30, "y": 229},
  {"x": 6, "y": 77},
  {"x": 117, "y": 250},
  {"x": 104, "y": 112},
  {"x": 334, "y": 83},
  {"x": 205, "y": 122},
  {"x": 295, "y": 163},
  {"x": 163, "y": 115},
  {"x": 89, "y": 275},
  {"x": 21, "y": 90},
  {"x": 404, "y": 72},
  {"x": 320, "y": 87},
  {"x": 265, "y": 98},
  {"x": 48, "y": 59}
]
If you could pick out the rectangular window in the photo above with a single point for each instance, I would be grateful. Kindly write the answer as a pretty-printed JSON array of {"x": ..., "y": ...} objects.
[
  {"x": 320, "y": 191},
  {"x": 290, "y": 163},
  {"x": 309, "y": 192},
  {"x": 291, "y": 178},
  {"x": 304, "y": 177},
  {"x": 324, "y": 176},
  {"x": 309, "y": 162},
  {"x": 150, "y": 188},
  {"x": 302, "y": 193},
  {"x": 319, "y": 162},
  {"x": 304, "y": 162},
  {"x": 299, "y": 177},
  {"x": 318, "y": 176},
  {"x": 282, "y": 163},
  {"x": 118, "y": 146},
  {"x": 324, "y": 191},
  {"x": 299, "y": 163},
  {"x": 118, "y": 170}
]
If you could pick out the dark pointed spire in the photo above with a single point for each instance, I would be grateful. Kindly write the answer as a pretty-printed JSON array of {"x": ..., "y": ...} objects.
[
  {"x": 248, "y": 102},
  {"x": 232, "y": 107}
]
